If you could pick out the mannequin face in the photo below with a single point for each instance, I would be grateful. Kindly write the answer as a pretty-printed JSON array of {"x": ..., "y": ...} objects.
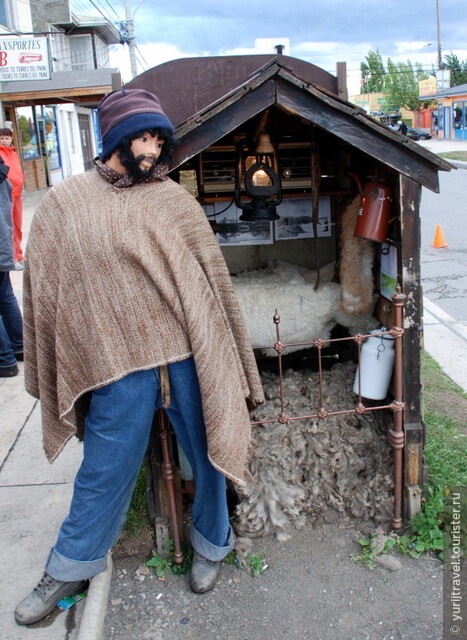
[
  {"x": 139, "y": 159},
  {"x": 5, "y": 141},
  {"x": 146, "y": 149}
]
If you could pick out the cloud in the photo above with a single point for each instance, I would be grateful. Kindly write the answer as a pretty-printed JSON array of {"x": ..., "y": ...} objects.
[
  {"x": 321, "y": 33},
  {"x": 148, "y": 55}
]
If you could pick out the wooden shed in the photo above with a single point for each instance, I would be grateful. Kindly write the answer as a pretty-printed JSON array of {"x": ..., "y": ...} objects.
[{"x": 326, "y": 151}]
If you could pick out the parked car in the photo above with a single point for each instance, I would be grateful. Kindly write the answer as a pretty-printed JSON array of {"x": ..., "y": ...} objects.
[{"x": 416, "y": 134}]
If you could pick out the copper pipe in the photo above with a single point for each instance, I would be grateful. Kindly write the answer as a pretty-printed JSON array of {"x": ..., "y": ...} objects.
[
  {"x": 396, "y": 435},
  {"x": 168, "y": 475},
  {"x": 279, "y": 347},
  {"x": 322, "y": 412}
]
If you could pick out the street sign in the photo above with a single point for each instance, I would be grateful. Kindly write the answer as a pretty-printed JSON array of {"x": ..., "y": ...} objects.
[{"x": 24, "y": 58}]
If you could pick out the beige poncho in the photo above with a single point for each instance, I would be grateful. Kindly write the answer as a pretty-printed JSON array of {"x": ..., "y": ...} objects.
[{"x": 119, "y": 280}]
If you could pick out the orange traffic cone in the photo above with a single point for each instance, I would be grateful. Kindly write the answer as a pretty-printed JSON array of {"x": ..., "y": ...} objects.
[{"x": 439, "y": 241}]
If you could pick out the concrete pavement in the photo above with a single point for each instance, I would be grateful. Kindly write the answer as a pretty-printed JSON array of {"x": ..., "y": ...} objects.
[
  {"x": 35, "y": 495},
  {"x": 445, "y": 338}
]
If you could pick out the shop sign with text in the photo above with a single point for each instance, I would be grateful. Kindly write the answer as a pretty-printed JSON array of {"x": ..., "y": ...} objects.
[{"x": 24, "y": 58}]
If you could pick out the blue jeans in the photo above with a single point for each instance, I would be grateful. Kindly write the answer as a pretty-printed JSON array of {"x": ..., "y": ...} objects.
[
  {"x": 116, "y": 437},
  {"x": 11, "y": 323}
]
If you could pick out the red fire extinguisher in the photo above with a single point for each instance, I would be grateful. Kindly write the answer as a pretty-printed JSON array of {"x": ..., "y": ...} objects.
[{"x": 374, "y": 214}]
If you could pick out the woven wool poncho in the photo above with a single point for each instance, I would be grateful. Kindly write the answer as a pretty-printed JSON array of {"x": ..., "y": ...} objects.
[{"x": 120, "y": 280}]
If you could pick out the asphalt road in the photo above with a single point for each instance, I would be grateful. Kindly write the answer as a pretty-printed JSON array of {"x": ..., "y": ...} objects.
[{"x": 444, "y": 270}]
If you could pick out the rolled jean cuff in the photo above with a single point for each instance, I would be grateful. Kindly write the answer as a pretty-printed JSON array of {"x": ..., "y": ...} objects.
[
  {"x": 8, "y": 365},
  {"x": 67, "y": 570},
  {"x": 208, "y": 549}
]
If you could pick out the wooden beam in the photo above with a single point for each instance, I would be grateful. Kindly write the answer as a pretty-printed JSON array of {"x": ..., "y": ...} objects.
[
  {"x": 60, "y": 95},
  {"x": 370, "y": 123},
  {"x": 355, "y": 132},
  {"x": 223, "y": 122}
]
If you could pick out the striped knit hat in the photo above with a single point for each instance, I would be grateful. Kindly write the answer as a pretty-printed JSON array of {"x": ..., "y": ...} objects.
[{"x": 124, "y": 112}]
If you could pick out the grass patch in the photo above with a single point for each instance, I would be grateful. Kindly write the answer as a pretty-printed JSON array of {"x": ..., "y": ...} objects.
[
  {"x": 445, "y": 453},
  {"x": 454, "y": 155},
  {"x": 256, "y": 564},
  {"x": 434, "y": 378},
  {"x": 162, "y": 564},
  {"x": 138, "y": 513}
]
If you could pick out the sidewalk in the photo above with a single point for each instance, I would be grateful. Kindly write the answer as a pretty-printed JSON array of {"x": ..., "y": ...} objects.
[{"x": 35, "y": 495}]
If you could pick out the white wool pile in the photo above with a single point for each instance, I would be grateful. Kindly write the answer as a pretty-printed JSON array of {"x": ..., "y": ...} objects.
[
  {"x": 306, "y": 468},
  {"x": 305, "y": 314}
]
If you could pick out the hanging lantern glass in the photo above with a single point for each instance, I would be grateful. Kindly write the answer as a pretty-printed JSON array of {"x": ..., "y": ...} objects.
[{"x": 261, "y": 181}]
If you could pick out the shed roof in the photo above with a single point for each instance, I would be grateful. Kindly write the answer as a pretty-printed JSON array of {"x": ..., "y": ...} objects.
[
  {"x": 277, "y": 84},
  {"x": 188, "y": 85}
]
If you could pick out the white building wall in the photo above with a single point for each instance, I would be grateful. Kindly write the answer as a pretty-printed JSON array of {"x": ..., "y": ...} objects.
[{"x": 69, "y": 138}]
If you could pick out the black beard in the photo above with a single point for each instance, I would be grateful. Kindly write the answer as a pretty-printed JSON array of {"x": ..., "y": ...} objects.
[{"x": 131, "y": 164}]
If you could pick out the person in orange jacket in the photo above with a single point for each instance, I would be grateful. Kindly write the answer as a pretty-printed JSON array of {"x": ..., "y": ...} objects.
[{"x": 15, "y": 176}]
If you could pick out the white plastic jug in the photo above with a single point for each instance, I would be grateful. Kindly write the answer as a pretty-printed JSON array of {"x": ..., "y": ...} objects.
[{"x": 376, "y": 365}]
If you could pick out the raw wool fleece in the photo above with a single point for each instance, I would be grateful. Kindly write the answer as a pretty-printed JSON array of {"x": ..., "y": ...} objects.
[
  {"x": 338, "y": 467},
  {"x": 305, "y": 314},
  {"x": 356, "y": 264},
  {"x": 120, "y": 280}
]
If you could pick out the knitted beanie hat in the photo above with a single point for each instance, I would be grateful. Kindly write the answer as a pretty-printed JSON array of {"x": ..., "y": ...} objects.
[{"x": 124, "y": 112}]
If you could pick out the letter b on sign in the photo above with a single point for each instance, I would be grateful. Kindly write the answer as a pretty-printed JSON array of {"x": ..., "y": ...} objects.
[{"x": 3, "y": 60}]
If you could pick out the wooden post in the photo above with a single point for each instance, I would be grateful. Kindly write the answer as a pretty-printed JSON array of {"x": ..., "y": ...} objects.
[{"x": 410, "y": 192}]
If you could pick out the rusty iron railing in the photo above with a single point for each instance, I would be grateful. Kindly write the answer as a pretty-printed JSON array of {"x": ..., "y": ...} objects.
[{"x": 396, "y": 435}]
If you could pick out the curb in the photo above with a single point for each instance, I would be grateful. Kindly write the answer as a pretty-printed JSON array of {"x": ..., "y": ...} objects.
[
  {"x": 460, "y": 164},
  {"x": 91, "y": 626}
]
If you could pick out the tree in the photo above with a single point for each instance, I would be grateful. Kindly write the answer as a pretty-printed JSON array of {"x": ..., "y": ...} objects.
[
  {"x": 24, "y": 129},
  {"x": 401, "y": 86},
  {"x": 373, "y": 73},
  {"x": 458, "y": 69}
]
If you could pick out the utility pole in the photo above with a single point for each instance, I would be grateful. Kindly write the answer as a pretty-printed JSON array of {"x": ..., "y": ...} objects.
[
  {"x": 440, "y": 62},
  {"x": 131, "y": 39}
]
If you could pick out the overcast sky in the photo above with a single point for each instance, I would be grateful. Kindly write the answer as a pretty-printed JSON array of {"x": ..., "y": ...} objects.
[{"x": 322, "y": 32}]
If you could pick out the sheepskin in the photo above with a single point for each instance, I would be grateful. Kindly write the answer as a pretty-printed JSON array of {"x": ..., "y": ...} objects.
[
  {"x": 305, "y": 314},
  {"x": 314, "y": 467},
  {"x": 356, "y": 264}
]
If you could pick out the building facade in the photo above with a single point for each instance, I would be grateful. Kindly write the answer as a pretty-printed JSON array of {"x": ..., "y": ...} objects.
[
  {"x": 53, "y": 119},
  {"x": 452, "y": 113}
]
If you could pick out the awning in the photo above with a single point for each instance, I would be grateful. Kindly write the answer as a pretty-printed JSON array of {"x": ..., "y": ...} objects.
[{"x": 86, "y": 87}]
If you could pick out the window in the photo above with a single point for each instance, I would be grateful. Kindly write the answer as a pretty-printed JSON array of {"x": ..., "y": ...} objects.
[
  {"x": 49, "y": 138},
  {"x": 440, "y": 116},
  {"x": 102, "y": 53},
  {"x": 59, "y": 50},
  {"x": 459, "y": 114},
  {"x": 4, "y": 13},
  {"x": 28, "y": 133},
  {"x": 81, "y": 52}
]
